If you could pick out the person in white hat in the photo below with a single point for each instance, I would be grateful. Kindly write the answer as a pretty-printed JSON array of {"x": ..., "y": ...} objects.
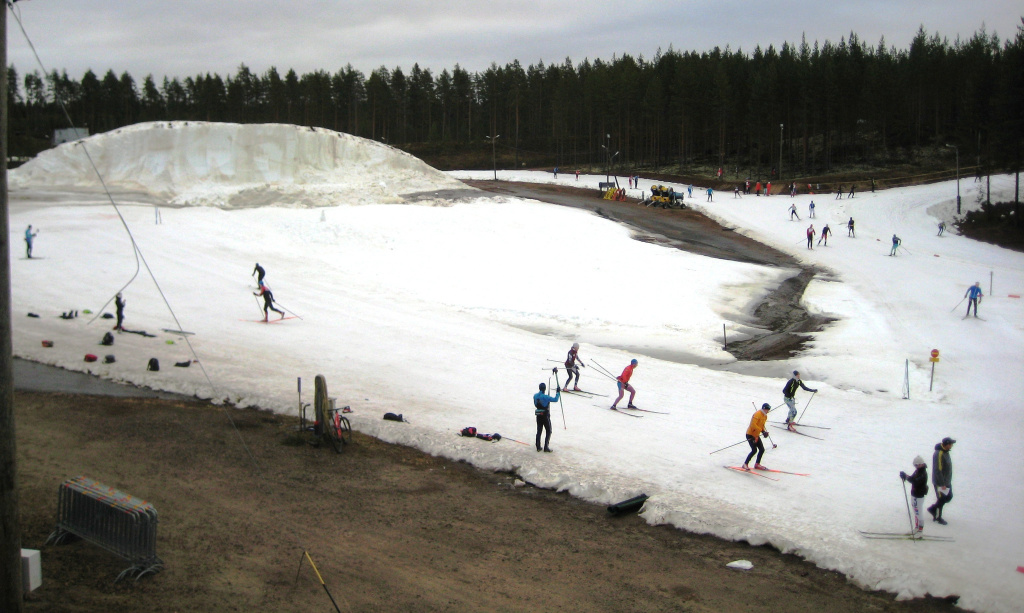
[
  {"x": 572, "y": 368},
  {"x": 918, "y": 490}
]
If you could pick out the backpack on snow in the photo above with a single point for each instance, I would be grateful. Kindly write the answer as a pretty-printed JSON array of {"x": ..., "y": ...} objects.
[
  {"x": 389, "y": 416},
  {"x": 470, "y": 431},
  {"x": 154, "y": 364},
  {"x": 490, "y": 437},
  {"x": 108, "y": 339}
]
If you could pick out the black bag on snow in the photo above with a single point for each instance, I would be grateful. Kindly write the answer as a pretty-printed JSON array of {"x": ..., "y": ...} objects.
[
  {"x": 154, "y": 364},
  {"x": 470, "y": 431},
  {"x": 108, "y": 339},
  {"x": 393, "y": 417},
  {"x": 109, "y": 359}
]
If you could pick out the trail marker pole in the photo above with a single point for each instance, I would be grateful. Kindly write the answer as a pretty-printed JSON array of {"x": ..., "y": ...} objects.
[
  {"x": 725, "y": 339},
  {"x": 933, "y": 359}
]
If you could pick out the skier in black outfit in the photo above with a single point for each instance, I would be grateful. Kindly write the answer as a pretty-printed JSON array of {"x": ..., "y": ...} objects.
[
  {"x": 849, "y": 229},
  {"x": 942, "y": 478},
  {"x": 260, "y": 274},
  {"x": 542, "y": 410},
  {"x": 918, "y": 490},
  {"x": 268, "y": 301},
  {"x": 789, "y": 396},
  {"x": 119, "y": 303},
  {"x": 571, "y": 368}
]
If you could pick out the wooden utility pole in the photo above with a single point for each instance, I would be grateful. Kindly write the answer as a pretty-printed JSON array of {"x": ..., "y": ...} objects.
[{"x": 10, "y": 525}]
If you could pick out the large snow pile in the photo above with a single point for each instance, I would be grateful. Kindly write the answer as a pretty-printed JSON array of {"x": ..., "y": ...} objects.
[
  {"x": 453, "y": 315},
  {"x": 234, "y": 165}
]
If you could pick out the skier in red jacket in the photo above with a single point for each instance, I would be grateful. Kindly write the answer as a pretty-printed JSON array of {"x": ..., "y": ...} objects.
[{"x": 623, "y": 382}]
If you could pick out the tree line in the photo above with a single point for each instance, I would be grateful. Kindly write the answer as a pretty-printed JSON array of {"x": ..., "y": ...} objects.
[{"x": 802, "y": 109}]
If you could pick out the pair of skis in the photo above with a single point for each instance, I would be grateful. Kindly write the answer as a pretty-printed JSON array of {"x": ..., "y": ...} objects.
[
  {"x": 782, "y": 423},
  {"x": 917, "y": 536},
  {"x": 798, "y": 432},
  {"x": 757, "y": 472}
]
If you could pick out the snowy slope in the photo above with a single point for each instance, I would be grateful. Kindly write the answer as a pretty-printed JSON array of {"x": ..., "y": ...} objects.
[{"x": 452, "y": 315}]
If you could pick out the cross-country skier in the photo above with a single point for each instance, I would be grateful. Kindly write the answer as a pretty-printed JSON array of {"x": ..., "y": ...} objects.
[
  {"x": 755, "y": 431},
  {"x": 689, "y": 191},
  {"x": 810, "y": 236},
  {"x": 849, "y": 229},
  {"x": 571, "y": 368},
  {"x": 824, "y": 235},
  {"x": 711, "y": 193},
  {"x": 768, "y": 189},
  {"x": 810, "y": 207},
  {"x": 260, "y": 273},
  {"x": 942, "y": 478},
  {"x": 793, "y": 213},
  {"x": 268, "y": 302},
  {"x": 853, "y": 188},
  {"x": 789, "y": 396},
  {"x": 736, "y": 192},
  {"x": 942, "y": 227},
  {"x": 918, "y": 490},
  {"x": 119, "y": 303},
  {"x": 974, "y": 292},
  {"x": 839, "y": 194},
  {"x": 757, "y": 189},
  {"x": 29, "y": 237},
  {"x": 542, "y": 410},
  {"x": 623, "y": 383},
  {"x": 895, "y": 244}
]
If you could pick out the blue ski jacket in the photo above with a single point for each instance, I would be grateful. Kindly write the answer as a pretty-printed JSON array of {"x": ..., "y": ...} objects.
[{"x": 542, "y": 402}]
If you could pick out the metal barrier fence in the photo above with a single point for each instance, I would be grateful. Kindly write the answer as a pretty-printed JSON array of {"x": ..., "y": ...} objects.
[{"x": 106, "y": 517}]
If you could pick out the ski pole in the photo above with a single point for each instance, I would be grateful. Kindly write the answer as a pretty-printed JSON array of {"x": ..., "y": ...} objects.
[
  {"x": 907, "y": 500},
  {"x": 774, "y": 446},
  {"x": 959, "y": 303},
  {"x": 801, "y": 418},
  {"x": 604, "y": 371},
  {"x": 287, "y": 309},
  {"x": 904, "y": 250},
  {"x": 508, "y": 438},
  {"x": 729, "y": 447},
  {"x": 257, "y": 304},
  {"x": 560, "y": 405}
]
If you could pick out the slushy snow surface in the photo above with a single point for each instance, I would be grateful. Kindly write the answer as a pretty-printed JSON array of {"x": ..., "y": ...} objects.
[{"x": 452, "y": 311}]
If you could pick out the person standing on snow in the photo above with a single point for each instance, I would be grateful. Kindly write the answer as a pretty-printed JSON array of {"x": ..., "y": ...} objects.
[
  {"x": 942, "y": 478},
  {"x": 768, "y": 189},
  {"x": 542, "y": 410},
  {"x": 810, "y": 236},
  {"x": 29, "y": 237},
  {"x": 896, "y": 242},
  {"x": 260, "y": 273},
  {"x": 974, "y": 292},
  {"x": 824, "y": 235},
  {"x": 853, "y": 188},
  {"x": 849, "y": 228},
  {"x": 572, "y": 369},
  {"x": 623, "y": 383},
  {"x": 793, "y": 213},
  {"x": 689, "y": 191},
  {"x": 755, "y": 431},
  {"x": 839, "y": 194},
  {"x": 757, "y": 188},
  {"x": 789, "y": 396},
  {"x": 942, "y": 227},
  {"x": 119, "y": 303},
  {"x": 918, "y": 490},
  {"x": 268, "y": 302},
  {"x": 710, "y": 194},
  {"x": 810, "y": 207}
]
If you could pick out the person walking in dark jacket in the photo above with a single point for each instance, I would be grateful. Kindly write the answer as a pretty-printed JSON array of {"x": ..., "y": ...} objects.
[
  {"x": 119, "y": 303},
  {"x": 542, "y": 410},
  {"x": 260, "y": 273},
  {"x": 789, "y": 396},
  {"x": 572, "y": 367},
  {"x": 918, "y": 490},
  {"x": 942, "y": 478}
]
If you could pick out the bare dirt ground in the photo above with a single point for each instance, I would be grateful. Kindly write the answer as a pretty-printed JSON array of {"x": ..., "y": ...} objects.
[{"x": 390, "y": 529}]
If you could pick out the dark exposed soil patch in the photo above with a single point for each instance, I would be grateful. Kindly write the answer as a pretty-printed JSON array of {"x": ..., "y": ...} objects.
[{"x": 781, "y": 313}]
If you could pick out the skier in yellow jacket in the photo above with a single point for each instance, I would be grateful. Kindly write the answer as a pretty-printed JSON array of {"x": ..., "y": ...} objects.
[{"x": 754, "y": 433}]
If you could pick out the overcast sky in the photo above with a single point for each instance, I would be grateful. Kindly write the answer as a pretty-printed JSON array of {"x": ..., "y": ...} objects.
[{"x": 187, "y": 37}]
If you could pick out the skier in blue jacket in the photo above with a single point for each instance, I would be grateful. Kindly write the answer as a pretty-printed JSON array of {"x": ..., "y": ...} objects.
[
  {"x": 29, "y": 236},
  {"x": 975, "y": 295},
  {"x": 542, "y": 409}
]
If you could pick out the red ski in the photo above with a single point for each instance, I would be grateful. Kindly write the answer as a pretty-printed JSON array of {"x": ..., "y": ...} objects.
[
  {"x": 785, "y": 472},
  {"x": 272, "y": 321},
  {"x": 740, "y": 469}
]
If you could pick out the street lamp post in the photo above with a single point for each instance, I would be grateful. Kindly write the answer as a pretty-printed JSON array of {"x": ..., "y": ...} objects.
[
  {"x": 494, "y": 157},
  {"x": 957, "y": 149}
]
